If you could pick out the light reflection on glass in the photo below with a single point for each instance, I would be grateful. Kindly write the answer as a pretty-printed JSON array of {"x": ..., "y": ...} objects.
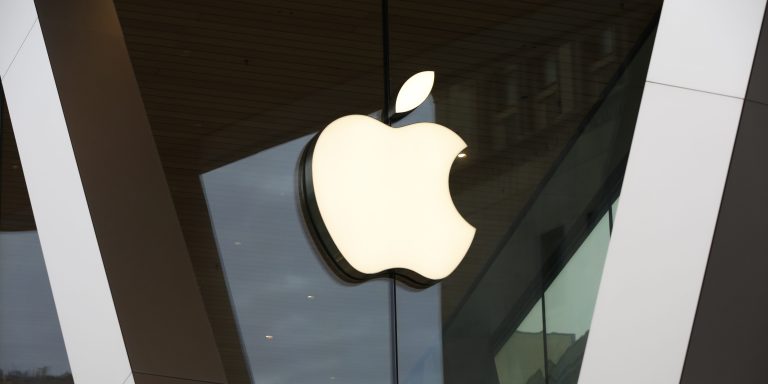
[
  {"x": 346, "y": 335},
  {"x": 31, "y": 344}
]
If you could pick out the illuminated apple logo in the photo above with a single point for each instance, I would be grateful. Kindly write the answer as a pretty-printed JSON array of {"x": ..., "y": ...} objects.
[{"x": 377, "y": 198}]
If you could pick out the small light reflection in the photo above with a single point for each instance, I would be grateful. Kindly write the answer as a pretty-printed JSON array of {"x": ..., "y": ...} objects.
[
  {"x": 310, "y": 297},
  {"x": 462, "y": 155},
  {"x": 269, "y": 337}
]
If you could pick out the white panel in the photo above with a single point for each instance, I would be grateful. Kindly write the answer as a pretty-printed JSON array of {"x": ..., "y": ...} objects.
[
  {"x": 16, "y": 19},
  {"x": 707, "y": 44},
  {"x": 662, "y": 235},
  {"x": 80, "y": 289}
]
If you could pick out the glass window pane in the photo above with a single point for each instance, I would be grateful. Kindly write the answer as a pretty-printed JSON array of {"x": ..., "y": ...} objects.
[
  {"x": 521, "y": 359},
  {"x": 545, "y": 96},
  {"x": 570, "y": 302},
  {"x": 232, "y": 90},
  {"x": 298, "y": 322}
]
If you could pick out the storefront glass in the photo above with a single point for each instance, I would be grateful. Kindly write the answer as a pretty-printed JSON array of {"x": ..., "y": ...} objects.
[
  {"x": 544, "y": 93},
  {"x": 546, "y": 96}
]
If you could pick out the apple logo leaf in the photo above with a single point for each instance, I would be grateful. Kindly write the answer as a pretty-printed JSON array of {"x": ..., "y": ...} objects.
[{"x": 414, "y": 91}]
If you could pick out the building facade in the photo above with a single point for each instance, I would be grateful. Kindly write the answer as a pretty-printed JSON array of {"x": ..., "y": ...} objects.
[{"x": 153, "y": 225}]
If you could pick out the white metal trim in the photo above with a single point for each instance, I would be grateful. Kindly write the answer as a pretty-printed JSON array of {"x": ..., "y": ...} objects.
[
  {"x": 84, "y": 304},
  {"x": 672, "y": 190}
]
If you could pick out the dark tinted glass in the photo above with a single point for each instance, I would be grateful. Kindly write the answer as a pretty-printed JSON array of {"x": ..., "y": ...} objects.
[
  {"x": 233, "y": 89},
  {"x": 545, "y": 94},
  {"x": 31, "y": 344}
]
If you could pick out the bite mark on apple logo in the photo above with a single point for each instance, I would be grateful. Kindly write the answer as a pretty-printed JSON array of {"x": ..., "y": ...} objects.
[{"x": 376, "y": 198}]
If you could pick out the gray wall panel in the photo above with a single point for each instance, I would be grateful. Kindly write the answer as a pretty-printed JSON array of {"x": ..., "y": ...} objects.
[
  {"x": 758, "y": 83},
  {"x": 730, "y": 333},
  {"x": 729, "y": 336}
]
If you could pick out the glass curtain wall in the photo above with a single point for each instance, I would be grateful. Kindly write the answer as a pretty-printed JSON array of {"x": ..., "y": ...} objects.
[
  {"x": 546, "y": 97},
  {"x": 233, "y": 90},
  {"x": 31, "y": 344},
  {"x": 545, "y": 94}
]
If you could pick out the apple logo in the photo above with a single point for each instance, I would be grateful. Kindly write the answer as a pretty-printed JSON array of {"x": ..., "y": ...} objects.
[{"x": 377, "y": 200}]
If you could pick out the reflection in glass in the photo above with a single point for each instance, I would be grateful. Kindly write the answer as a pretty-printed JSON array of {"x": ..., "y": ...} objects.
[
  {"x": 570, "y": 302},
  {"x": 31, "y": 345},
  {"x": 222, "y": 81},
  {"x": 420, "y": 336},
  {"x": 546, "y": 96},
  {"x": 521, "y": 359},
  {"x": 299, "y": 323}
]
